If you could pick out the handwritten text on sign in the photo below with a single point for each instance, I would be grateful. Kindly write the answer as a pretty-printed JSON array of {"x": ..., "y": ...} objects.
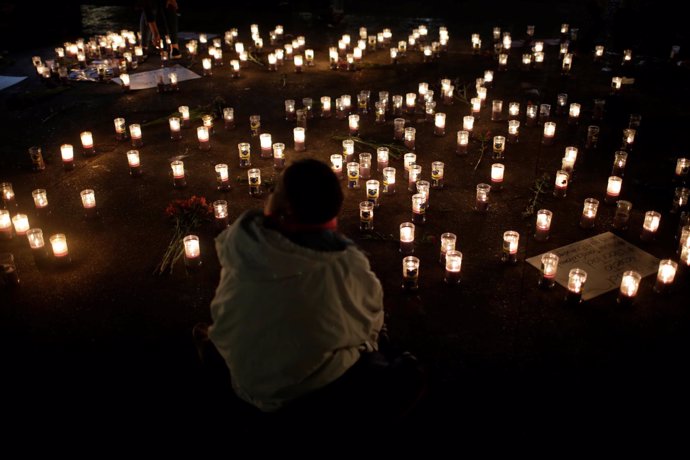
[{"x": 604, "y": 257}]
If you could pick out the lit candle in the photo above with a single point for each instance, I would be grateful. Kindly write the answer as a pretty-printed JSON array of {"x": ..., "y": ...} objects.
[
  {"x": 279, "y": 156},
  {"x": 439, "y": 124},
  {"x": 682, "y": 168},
  {"x": 619, "y": 162},
  {"x": 482, "y": 197},
  {"x": 348, "y": 150},
  {"x": 382, "y": 157},
  {"x": 410, "y": 134},
  {"x": 244, "y": 150},
  {"x": 175, "y": 132},
  {"x": 410, "y": 102},
  {"x": 531, "y": 115},
  {"x": 463, "y": 140},
  {"x": 173, "y": 81},
  {"x": 37, "y": 245},
  {"x": 589, "y": 213},
  {"x": 598, "y": 52},
  {"x": 254, "y": 181},
  {"x": 616, "y": 83},
  {"x": 499, "y": 146},
  {"x": 576, "y": 283},
  {"x": 67, "y": 154},
  {"x": 229, "y": 117},
  {"x": 353, "y": 123},
  {"x": 453, "y": 263},
  {"x": 325, "y": 107},
  {"x": 397, "y": 104},
  {"x": 650, "y": 225},
  {"x": 298, "y": 60},
  {"x": 207, "y": 121},
  {"x": 394, "y": 55},
  {"x": 502, "y": 62},
  {"x": 513, "y": 131},
  {"x": 207, "y": 66},
  {"x": 424, "y": 188},
  {"x": 184, "y": 114},
  {"x": 40, "y": 197},
  {"x": 622, "y": 214},
  {"x": 299, "y": 134},
  {"x": 665, "y": 275},
  {"x": 87, "y": 143},
  {"x": 468, "y": 123},
  {"x": 526, "y": 61},
  {"x": 366, "y": 215},
  {"x": 408, "y": 160},
  {"x": 574, "y": 113},
  {"x": 628, "y": 138},
  {"x": 410, "y": 273},
  {"x": 543, "y": 225},
  {"x": 511, "y": 240},
  {"x": 21, "y": 224},
  {"x": 6, "y": 230},
  {"x": 88, "y": 201},
  {"x": 364, "y": 165},
  {"x": 414, "y": 173},
  {"x": 514, "y": 110},
  {"x": 134, "y": 163},
  {"x": 627, "y": 56},
  {"x": 363, "y": 102},
  {"x": 561, "y": 184},
  {"x": 680, "y": 198},
  {"x": 407, "y": 238},
  {"x": 192, "y": 252},
  {"x": 418, "y": 209},
  {"x": 437, "y": 173},
  {"x": 497, "y": 172},
  {"x": 488, "y": 78},
  {"x": 549, "y": 268},
  {"x": 120, "y": 129},
  {"x": 629, "y": 286},
  {"x": 203, "y": 136},
  {"x": 475, "y": 107},
  {"x": 222, "y": 177},
  {"x": 60, "y": 250},
  {"x": 389, "y": 180},
  {"x": 309, "y": 57},
  {"x": 7, "y": 194},
  {"x": 353, "y": 175},
  {"x": 179, "y": 180},
  {"x": 337, "y": 165},
  {"x": 549, "y": 133},
  {"x": 372, "y": 187},
  {"x": 613, "y": 189},
  {"x": 448, "y": 241},
  {"x": 135, "y": 135},
  {"x": 567, "y": 63},
  {"x": 124, "y": 78},
  {"x": 220, "y": 212}
]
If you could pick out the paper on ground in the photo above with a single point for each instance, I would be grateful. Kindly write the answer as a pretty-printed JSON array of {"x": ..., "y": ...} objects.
[
  {"x": 145, "y": 80},
  {"x": 604, "y": 257}
]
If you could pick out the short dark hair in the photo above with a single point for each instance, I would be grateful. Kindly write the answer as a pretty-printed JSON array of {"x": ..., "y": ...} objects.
[{"x": 313, "y": 191}]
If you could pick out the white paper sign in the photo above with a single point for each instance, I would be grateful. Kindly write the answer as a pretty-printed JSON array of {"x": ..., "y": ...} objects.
[
  {"x": 604, "y": 257},
  {"x": 145, "y": 80}
]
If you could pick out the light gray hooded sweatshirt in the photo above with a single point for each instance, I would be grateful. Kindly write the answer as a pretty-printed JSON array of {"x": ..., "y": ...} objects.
[{"x": 288, "y": 319}]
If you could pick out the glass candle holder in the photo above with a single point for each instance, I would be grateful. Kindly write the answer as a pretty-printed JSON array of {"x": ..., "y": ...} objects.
[
  {"x": 88, "y": 201},
  {"x": 353, "y": 124},
  {"x": 542, "y": 226},
  {"x": 373, "y": 188},
  {"x": 37, "y": 245},
  {"x": 592, "y": 137},
  {"x": 589, "y": 213},
  {"x": 476, "y": 107},
  {"x": 410, "y": 134},
  {"x": 266, "y": 143},
  {"x": 577, "y": 278},
  {"x": 222, "y": 177},
  {"x": 682, "y": 168},
  {"x": 279, "y": 156},
  {"x": 192, "y": 252},
  {"x": 382, "y": 158},
  {"x": 364, "y": 165},
  {"x": 665, "y": 276},
  {"x": 337, "y": 165},
  {"x": 503, "y": 62},
  {"x": 298, "y": 61},
  {"x": 6, "y": 229},
  {"x": 220, "y": 214},
  {"x": 616, "y": 84},
  {"x": 58, "y": 242},
  {"x": 526, "y": 61},
  {"x": 598, "y": 52},
  {"x": 513, "y": 131},
  {"x": 410, "y": 102},
  {"x": 326, "y": 107},
  {"x": 366, "y": 216},
  {"x": 175, "y": 132},
  {"x": 511, "y": 240},
  {"x": 468, "y": 123},
  {"x": 613, "y": 189},
  {"x": 549, "y": 133},
  {"x": 380, "y": 112},
  {"x": 482, "y": 197},
  {"x": 630, "y": 283},
  {"x": 437, "y": 173},
  {"x": 21, "y": 224},
  {"x": 549, "y": 268},
  {"x": 513, "y": 110},
  {"x": 363, "y": 102},
  {"x": 544, "y": 113},
  {"x": 245, "y": 158},
  {"x": 134, "y": 163},
  {"x": 120, "y": 129},
  {"x": 496, "y": 110},
  {"x": 228, "y": 117},
  {"x": 389, "y": 180},
  {"x": 179, "y": 180},
  {"x": 439, "y": 124},
  {"x": 448, "y": 241},
  {"x": 353, "y": 175},
  {"x": 399, "y": 129},
  {"x": 407, "y": 238},
  {"x": 87, "y": 143},
  {"x": 348, "y": 150},
  {"x": 67, "y": 155},
  {"x": 255, "y": 125},
  {"x": 202, "y": 135},
  {"x": 424, "y": 188},
  {"x": 652, "y": 219},
  {"x": 499, "y": 146},
  {"x": 254, "y": 181},
  {"x": 410, "y": 273},
  {"x": 463, "y": 141},
  {"x": 628, "y": 139},
  {"x": 560, "y": 188},
  {"x": 413, "y": 174},
  {"x": 619, "y": 161},
  {"x": 453, "y": 264},
  {"x": 681, "y": 196},
  {"x": 40, "y": 197},
  {"x": 418, "y": 209},
  {"x": 574, "y": 113},
  {"x": 531, "y": 115},
  {"x": 136, "y": 135},
  {"x": 622, "y": 215},
  {"x": 301, "y": 116},
  {"x": 299, "y": 135},
  {"x": 497, "y": 173}
]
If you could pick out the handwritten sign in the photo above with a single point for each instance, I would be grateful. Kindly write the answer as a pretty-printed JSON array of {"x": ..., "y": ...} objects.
[
  {"x": 604, "y": 257},
  {"x": 149, "y": 79}
]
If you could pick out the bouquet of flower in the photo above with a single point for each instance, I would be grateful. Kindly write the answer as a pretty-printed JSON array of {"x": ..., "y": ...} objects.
[{"x": 186, "y": 215}]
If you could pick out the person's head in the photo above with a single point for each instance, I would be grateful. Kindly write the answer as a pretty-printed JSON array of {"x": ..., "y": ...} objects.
[{"x": 307, "y": 192}]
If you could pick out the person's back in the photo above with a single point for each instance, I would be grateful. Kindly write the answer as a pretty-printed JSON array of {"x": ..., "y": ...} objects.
[{"x": 296, "y": 303}]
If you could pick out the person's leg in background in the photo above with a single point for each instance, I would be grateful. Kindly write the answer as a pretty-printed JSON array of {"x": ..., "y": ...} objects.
[{"x": 171, "y": 26}]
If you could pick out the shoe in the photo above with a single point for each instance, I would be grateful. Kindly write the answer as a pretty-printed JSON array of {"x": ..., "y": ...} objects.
[{"x": 175, "y": 53}]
